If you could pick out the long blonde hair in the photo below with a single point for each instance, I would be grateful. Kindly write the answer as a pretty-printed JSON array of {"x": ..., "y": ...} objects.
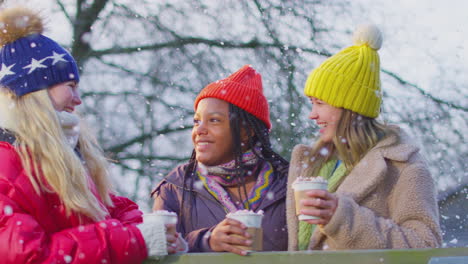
[
  {"x": 51, "y": 164},
  {"x": 355, "y": 136}
]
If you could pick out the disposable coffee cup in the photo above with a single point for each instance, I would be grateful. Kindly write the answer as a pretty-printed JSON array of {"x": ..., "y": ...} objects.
[
  {"x": 253, "y": 222},
  {"x": 301, "y": 186},
  {"x": 163, "y": 216}
]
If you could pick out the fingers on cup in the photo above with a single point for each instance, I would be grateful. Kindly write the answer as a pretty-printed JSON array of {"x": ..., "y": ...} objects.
[
  {"x": 171, "y": 248},
  {"x": 233, "y": 222},
  {"x": 171, "y": 228},
  {"x": 238, "y": 240},
  {"x": 235, "y": 250},
  {"x": 171, "y": 239},
  {"x": 323, "y": 194},
  {"x": 236, "y": 230}
]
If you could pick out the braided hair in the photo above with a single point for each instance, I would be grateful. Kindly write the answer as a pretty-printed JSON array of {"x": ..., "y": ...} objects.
[{"x": 259, "y": 137}]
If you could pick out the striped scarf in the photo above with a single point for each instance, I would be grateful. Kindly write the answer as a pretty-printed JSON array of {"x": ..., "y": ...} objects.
[
  {"x": 225, "y": 174},
  {"x": 260, "y": 189}
]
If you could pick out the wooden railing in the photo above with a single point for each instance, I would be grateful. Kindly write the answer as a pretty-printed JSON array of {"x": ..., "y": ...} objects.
[{"x": 405, "y": 256}]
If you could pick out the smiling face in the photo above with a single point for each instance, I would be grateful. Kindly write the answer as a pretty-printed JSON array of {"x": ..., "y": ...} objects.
[
  {"x": 65, "y": 96},
  {"x": 327, "y": 118},
  {"x": 211, "y": 133}
]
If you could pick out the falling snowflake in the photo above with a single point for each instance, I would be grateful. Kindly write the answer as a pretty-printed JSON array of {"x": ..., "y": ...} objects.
[
  {"x": 324, "y": 151},
  {"x": 67, "y": 259},
  {"x": 8, "y": 210},
  {"x": 270, "y": 195},
  {"x": 86, "y": 37}
]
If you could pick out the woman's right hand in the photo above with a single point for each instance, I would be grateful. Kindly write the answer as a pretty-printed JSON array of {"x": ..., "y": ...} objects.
[{"x": 223, "y": 237}]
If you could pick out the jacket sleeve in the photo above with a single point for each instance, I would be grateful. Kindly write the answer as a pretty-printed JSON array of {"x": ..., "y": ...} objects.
[
  {"x": 125, "y": 210},
  {"x": 167, "y": 197},
  {"x": 24, "y": 240},
  {"x": 413, "y": 221},
  {"x": 108, "y": 241}
]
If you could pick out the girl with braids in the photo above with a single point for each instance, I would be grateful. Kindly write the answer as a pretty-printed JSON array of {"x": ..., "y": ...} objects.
[
  {"x": 380, "y": 192},
  {"x": 56, "y": 201},
  {"x": 232, "y": 167}
]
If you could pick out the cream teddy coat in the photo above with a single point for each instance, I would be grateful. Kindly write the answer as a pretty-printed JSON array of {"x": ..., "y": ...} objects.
[{"x": 387, "y": 201}]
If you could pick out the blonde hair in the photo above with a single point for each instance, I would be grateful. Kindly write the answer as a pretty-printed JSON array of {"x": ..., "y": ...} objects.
[
  {"x": 50, "y": 163},
  {"x": 355, "y": 136}
]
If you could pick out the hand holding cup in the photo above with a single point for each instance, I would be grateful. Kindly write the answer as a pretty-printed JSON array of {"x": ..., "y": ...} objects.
[
  {"x": 239, "y": 233},
  {"x": 174, "y": 242},
  {"x": 314, "y": 204},
  {"x": 228, "y": 235}
]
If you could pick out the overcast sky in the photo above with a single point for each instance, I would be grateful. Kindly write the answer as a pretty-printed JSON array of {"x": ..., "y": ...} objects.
[{"x": 424, "y": 40}]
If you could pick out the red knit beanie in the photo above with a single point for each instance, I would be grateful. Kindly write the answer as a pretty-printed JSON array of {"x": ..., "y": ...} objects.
[{"x": 243, "y": 89}]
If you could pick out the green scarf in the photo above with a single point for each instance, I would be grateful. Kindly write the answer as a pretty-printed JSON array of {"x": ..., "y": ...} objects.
[{"x": 334, "y": 177}]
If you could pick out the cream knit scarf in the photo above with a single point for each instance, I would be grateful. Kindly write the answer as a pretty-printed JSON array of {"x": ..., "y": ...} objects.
[{"x": 71, "y": 127}]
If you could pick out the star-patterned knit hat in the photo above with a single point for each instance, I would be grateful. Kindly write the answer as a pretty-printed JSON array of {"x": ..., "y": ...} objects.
[
  {"x": 30, "y": 61},
  {"x": 350, "y": 79},
  {"x": 243, "y": 89}
]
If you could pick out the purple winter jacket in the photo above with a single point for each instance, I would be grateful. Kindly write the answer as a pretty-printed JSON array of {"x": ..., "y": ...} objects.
[{"x": 203, "y": 212}]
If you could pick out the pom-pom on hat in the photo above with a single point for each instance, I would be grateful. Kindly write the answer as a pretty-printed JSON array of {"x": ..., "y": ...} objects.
[
  {"x": 350, "y": 79},
  {"x": 243, "y": 89},
  {"x": 30, "y": 61}
]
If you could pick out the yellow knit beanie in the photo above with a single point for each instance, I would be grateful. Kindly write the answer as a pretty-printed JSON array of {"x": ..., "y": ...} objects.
[{"x": 350, "y": 79}]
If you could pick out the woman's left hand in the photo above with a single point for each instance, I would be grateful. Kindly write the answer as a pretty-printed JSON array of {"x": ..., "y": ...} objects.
[
  {"x": 319, "y": 203},
  {"x": 171, "y": 238},
  {"x": 175, "y": 242}
]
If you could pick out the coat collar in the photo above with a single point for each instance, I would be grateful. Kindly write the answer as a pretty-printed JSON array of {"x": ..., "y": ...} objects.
[{"x": 371, "y": 170}]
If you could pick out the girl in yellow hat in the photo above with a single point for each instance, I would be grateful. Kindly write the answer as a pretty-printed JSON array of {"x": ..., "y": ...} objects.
[{"x": 380, "y": 192}]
